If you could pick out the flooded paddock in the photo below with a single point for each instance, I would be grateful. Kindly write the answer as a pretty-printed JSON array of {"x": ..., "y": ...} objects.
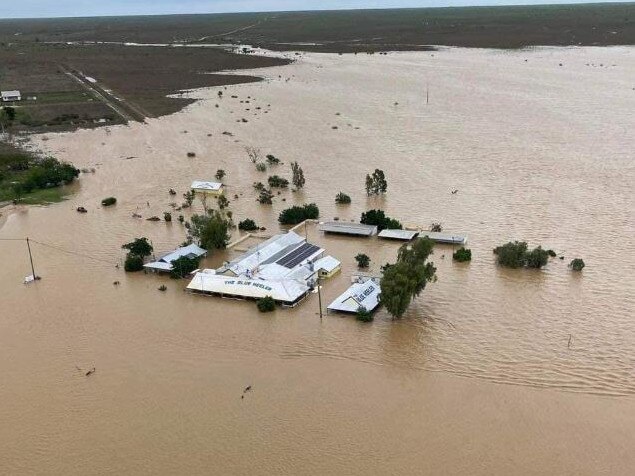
[{"x": 490, "y": 371}]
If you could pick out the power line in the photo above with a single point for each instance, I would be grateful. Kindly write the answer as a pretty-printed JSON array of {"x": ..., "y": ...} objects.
[{"x": 75, "y": 253}]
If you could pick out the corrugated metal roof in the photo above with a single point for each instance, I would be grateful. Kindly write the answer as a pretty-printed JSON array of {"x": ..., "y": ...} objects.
[
  {"x": 364, "y": 294},
  {"x": 445, "y": 237},
  {"x": 405, "y": 235},
  {"x": 348, "y": 228},
  {"x": 328, "y": 264},
  {"x": 207, "y": 186},
  {"x": 165, "y": 263}
]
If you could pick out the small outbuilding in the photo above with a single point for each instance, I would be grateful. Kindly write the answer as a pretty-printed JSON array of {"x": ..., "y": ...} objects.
[
  {"x": 10, "y": 96},
  {"x": 363, "y": 294},
  {"x": 327, "y": 267},
  {"x": 446, "y": 238},
  {"x": 403, "y": 235},
  {"x": 164, "y": 264},
  {"x": 211, "y": 188},
  {"x": 350, "y": 228}
]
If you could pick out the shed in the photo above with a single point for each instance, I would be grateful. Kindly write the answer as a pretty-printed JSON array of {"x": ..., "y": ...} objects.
[
  {"x": 404, "y": 235},
  {"x": 212, "y": 188},
  {"x": 364, "y": 294},
  {"x": 448, "y": 238},
  {"x": 327, "y": 266},
  {"x": 9, "y": 96},
  {"x": 343, "y": 228},
  {"x": 164, "y": 264}
]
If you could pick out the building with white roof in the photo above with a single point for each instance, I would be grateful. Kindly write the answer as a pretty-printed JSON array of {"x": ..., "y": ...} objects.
[
  {"x": 364, "y": 294},
  {"x": 212, "y": 188},
  {"x": 348, "y": 228},
  {"x": 10, "y": 96},
  {"x": 327, "y": 266},
  {"x": 283, "y": 267},
  {"x": 164, "y": 264},
  {"x": 394, "y": 234}
]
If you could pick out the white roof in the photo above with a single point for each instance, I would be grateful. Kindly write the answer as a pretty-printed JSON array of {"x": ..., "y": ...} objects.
[
  {"x": 395, "y": 234},
  {"x": 445, "y": 237},
  {"x": 328, "y": 264},
  {"x": 165, "y": 263},
  {"x": 287, "y": 291},
  {"x": 208, "y": 186},
  {"x": 364, "y": 294},
  {"x": 264, "y": 252},
  {"x": 10, "y": 93},
  {"x": 349, "y": 228}
]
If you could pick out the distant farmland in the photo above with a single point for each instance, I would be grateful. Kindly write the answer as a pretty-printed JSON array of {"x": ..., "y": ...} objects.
[{"x": 34, "y": 58}]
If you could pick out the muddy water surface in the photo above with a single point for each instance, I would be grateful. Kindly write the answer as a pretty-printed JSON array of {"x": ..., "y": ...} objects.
[{"x": 491, "y": 370}]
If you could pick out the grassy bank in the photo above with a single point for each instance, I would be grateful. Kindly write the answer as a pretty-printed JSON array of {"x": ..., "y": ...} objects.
[{"x": 26, "y": 178}]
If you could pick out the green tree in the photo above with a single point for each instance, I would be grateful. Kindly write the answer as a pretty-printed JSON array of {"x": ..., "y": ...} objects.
[
  {"x": 462, "y": 255},
  {"x": 139, "y": 247},
  {"x": 247, "y": 225},
  {"x": 183, "y": 266},
  {"x": 272, "y": 159},
  {"x": 342, "y": 199},
  {"x": 379, "y": 219},
  {"x": 364, "y": 315},
  {"x": 223, "y": 202},
  {"x": 512, "y": 254},
  {"x": 265, "y": 197},
  {"x": 277, "y": 182},
  {"x": 537, "y": 258},
  {"x": 298, "y": 175},
  {"x": 167, "y": 216},
  {"x": 189, "y": 197},
  {"x": 266, "y": 304},
  {"x": 297, "y": 214},
  {"x": 363, "y": 260},
  {"x": 210, "y": 230},
  {"x": 577, "y": 264},
  {"x": 408, "y": 277},
  {"x": 133, "y": 263},
  {"x": 376, "y": 183},
  {"x": 220, "y": 174}
]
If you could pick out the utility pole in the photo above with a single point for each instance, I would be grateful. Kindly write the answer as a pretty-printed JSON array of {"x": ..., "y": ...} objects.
[
  {"x": 28, "y": 245},
  {"x": 319, "y": 294}
]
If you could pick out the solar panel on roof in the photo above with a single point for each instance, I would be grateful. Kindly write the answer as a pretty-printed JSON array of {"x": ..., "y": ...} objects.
[{"x": 298, "y": 255}]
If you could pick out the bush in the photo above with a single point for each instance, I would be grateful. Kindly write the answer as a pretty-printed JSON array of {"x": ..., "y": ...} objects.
[
  {"x": 261, "y": 167},
  {"x": 462, "y": 255},
  {"x": 363, "y": 261},
  {"x": 183, "y": 266},
  {"x": 342, "y": 199},
  {"x": 552, "y": 253},
  {"x": 515, "y": 255},
  {"x": 380, "y": 220},
  {"x": 211, "y": 230},
  {"x": 266, "y": 304},
  {"x": 364, "y": 315},
  {"x": 577, "y": 264},
  {"x": 265, "y": 197},
  {"x": 436, "y": 227},
  {"x": 296, "y": 214},
  {"x": 220, "y": 174},
  {"x": 272, "y": 159},
  {"x": 537, "y": 258},
  {"x": 247, "y": 225},
  {"x": 139, "y": 247},
  {"x": 107, "y": 202},
  {"x": 133, "y": 263},
  {"x": 167, "y": 216},
  {"x": 277, "y": 182}
]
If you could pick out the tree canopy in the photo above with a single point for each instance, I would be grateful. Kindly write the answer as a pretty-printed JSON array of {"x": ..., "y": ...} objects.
[
  {"x": 516, "y": 255},
  {"x": 376, "y": 183},
  {"x": 380, "y": 220},
  {"x": 298, "y": 175},
  {"x": 210, "y": 230},
  {"x": 139, "y": 247},
  {"x": 297, "y": 214},
  {"x": 408, "y": 277}
]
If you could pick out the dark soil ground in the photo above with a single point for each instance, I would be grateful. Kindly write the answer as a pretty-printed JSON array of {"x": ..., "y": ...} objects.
[{"x": 143, "y": 76}]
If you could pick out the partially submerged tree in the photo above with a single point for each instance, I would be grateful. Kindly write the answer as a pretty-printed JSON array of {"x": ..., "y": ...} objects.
[
  {"x": 253, "y": 153},
  {"x": 139, "y": 247},
  {"x": 210, "y": 230},
  {"x": 272, "y": 159},
  {"x": 261, "y": 167},
  {"x": 577, "y": 264},
  {"x": 189, "y": 197},
  {"x": 376, "y": 183},
  {"x": 167, "y": 216},
  {"x": 109, "y": 201},
  {"x": 133, "y": 263},
  {"x": 223, "y": 202},
  {"x": 516, "y": 255},
  {"x": 462, "y": 255},
  {"x": 247, "y": 225},
  {"x": 265, "y": 197},
  {"x": 405, "y": 279},
  {"x": 298, "y": 175},
  {"x": 363, "y": 260},
  {"x": 364, "y": 315},
  {"x": 379, "y": 219},
  {"x": 436, "y": 227},
  {"x": 342, "y": 199},
  {"x": 266, "y": 304},
  {"x": 183, "y": 266},
  {"x": 276, "y": 181},
  {"x": 297, "y": 214},
  {"x": 220, "y": 174}
]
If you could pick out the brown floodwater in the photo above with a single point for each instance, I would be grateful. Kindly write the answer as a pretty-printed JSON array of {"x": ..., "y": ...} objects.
[{"x": 491, "y": 371}]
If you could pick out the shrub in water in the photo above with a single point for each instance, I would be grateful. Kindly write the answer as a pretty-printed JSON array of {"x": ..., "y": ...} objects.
[
  {"x": 277, "y": 182},
  {"x": 462, "y": 255},
  {"x": 577, "y": 264},
  {"x": 363, "y": 261},
  {"x": 266, "y": 304},
  {"x": 296, "y": 214},
  {"x": 247, "y": 225},
  {"x": 106, "y": 202},
  {"x": 133, "y": 263},
  {"x": 342, "y": 199},
  {"x": 364, "y": 315}
]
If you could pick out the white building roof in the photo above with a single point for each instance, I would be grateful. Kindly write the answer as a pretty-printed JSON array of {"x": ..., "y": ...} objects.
[
  {"x": 445, "y": 237},
  {"x": 349, "y": 228},
  {"x": 395, "y": 234},
  {"x": 328, "y": 264},
  {"x": 10, "y": 94},
  {"x": 364, "y": 294},
  {"x": 287, "y": 291},
  {"x": 165, "y": 263},
  {"x": 206, "y": 186},
  {"x": 266, "y": 252}
]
